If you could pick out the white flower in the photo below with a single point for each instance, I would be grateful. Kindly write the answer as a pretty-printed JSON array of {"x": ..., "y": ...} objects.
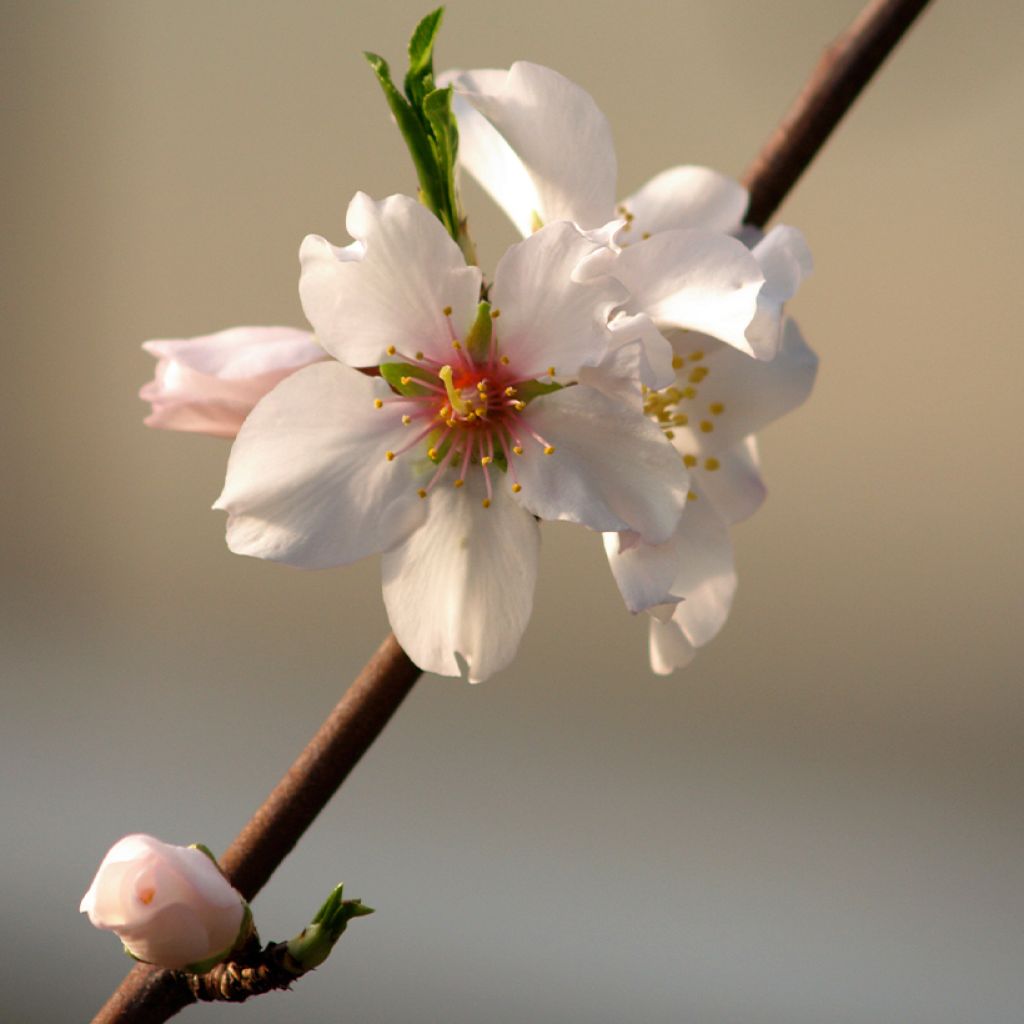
[
  {"x": 541, "y": 147},
  {"x": 209, "y": 384},
  {"x": 721, "y": 398},
  {"x": 170, "y": 905},
  {"x": 478, "y": 424}
]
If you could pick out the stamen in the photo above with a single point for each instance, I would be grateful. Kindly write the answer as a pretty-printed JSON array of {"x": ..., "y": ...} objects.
[{"x": 378, "y": 403}]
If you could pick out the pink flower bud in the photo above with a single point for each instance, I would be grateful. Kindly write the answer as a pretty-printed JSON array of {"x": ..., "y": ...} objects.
[
  {"x": 209, "y": 384},
  {"x": 170, "y": 905}
]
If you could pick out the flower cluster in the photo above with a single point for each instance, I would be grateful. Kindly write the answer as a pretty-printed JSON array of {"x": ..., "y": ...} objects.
[{"x": 612, "y": 373}]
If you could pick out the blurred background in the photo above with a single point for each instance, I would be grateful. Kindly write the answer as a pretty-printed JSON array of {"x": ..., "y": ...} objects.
[{"x": 819, "y": 822}]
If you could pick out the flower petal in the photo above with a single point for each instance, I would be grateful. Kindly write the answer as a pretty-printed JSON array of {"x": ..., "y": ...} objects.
[
  {"x": 462, "y": 585},
  {"x": 735, "y": 486},
  {"x": 308, "y": 483},
  {"x": 731, "y": 395},
  {"x": 785, "y": 261},
  {"x": 694, "y": 565},
  {"x": 391, "y": 288},
  {"x": 487, "y": 156},
  {"x": 669, "y": 648},
  {"x": 239, "y": 353},
  {"x": 547, "y": 316},
  {"x": 612, "y": 468},
  {"x": 685, "y": 197},
  {"x": 558, "y": 133},
  {"x": 696, "y": 280}
]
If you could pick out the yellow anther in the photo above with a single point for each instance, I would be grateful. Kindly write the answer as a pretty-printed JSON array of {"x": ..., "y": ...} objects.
[
  {"x": 646, "y": 235},
  {"x": 481, "y": 386},
  {"x": 471, "y": 416},
  {"x": 677, "y": 362},
  {"x": 711, "y": 464},
  {"x": 419, "y": 355},
  {"x": 670, "y": 434},
  {"x": 680, "y": 419},
  {"x": 459, "y": 482},
  {"x": 457, "y": 346},
  {"x": 445, "y": 412},
  {"x": 706, "y": 426},
  {"x": 691, "y": 495},
  {"x": 504, "y": 360},
  {"x": 405, "y": 381},
  {"x": 391, "y": 350},
  {"x": 486, "y": 460},
  {"x": 407, "y": 420},
  {"x": 390, "y": 456},
  {"x": 510, "y": 392},
  {"x": 717, "y": 408},
  {"x": 549, "y": 449},
  {"x": 688, "y": 393},
  {"x": 518, "y": 449},
  {"x": 696, "y": 356},
  {"x": 458, "y": 403},
  {"x": 447, "y": 310},
  {"x": 432, "y": 454},
  {"x": 422, "y": 493},
  {"x": 486, "y": 503},
  {"x": 516, "y": 488},
  {"x": 551, "y": 371},
  {"x": 698, "y": 374},
  {"x": 378, "y": 403},
  {"x": 518, "y": 405},
  {"x": 495, "y": 313},
  {"x": 690, "y": 460}
]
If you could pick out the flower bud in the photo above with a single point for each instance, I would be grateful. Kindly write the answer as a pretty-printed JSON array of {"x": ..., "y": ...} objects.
[
  {"x": 170, "y": 905},
  {"x": 208, "y": 385}
]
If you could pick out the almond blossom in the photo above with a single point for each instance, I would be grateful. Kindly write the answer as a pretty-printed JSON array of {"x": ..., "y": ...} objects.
[
  {"x": 541, "y": 147},
  {"x": 479, "y": 423},
  {"x": 208, "y": 385}
]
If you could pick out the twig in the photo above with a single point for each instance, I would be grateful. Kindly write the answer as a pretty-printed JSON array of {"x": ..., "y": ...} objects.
[
  {"x": 842, "y": 72},
  {"x": 149, "y": 995}
]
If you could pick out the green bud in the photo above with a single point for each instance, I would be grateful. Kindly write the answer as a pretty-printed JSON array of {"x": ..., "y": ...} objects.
[
  {"x": 478, "y": 341},
  {"x": 312, "y": 946}
]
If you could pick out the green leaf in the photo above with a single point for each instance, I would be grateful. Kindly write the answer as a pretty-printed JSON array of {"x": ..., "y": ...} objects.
[
  {"x": 419, "y": 79},
  {"x": 532, "y": 389}
]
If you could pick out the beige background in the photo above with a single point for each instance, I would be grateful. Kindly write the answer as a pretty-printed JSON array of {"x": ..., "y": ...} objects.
[{"x": 820, "y": 822}]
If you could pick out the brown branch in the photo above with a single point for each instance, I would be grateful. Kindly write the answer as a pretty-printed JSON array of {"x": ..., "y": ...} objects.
[
  {"x": 842, "y": 72},
  {"x": 149, "y": 995}
]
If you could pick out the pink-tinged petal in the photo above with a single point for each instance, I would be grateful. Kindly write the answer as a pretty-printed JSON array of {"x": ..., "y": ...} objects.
[
  {"x": 734, "y": 486},
  {"x": 611, "y": 468},
  {"x": 785, "y": 261},
  {"x": 308, "y": 482},
  {"x": 210, "y": 384},
  {"x": 559, "y": 135},
  {"x": 669, "y": 648},
  {"x": 694, "y": 565},
  {"x": 172, "y": 938},
  {"x": 732, "y": 395},
  {"x": 487, "y": 156},
  {"x": 547, "y": 316},
  {"x": 461, "y": 587},
  {"x": 696, "y": 280},
  {"x": 685, "y": 197},
  {"x": 392, "y": 288}
]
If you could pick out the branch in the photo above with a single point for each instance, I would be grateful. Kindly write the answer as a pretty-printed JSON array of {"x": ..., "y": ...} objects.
[
  {"x": 149, "y": 995},
  {"x": 842, "y": 72}
]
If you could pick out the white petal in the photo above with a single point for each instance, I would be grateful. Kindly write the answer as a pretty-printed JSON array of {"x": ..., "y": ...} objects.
[
  {"x": 785, "y": 261},
  {"x": 239, "y": 353},
  {"x": 462, "y": 585},
  {"x": 612, "y": 468},
  {"x": 547, "y": 316},
  {"x": 735, "y": 395},
  {"x": 669, "y": 648},
  {"x": 487, "y": 156},
  {"x": 735, "y": 487},
  {"x": 618, "y": 375},
  {"x": 697, "y": 280},
  {"x": 685, "y": 197},
  {"x": 390, "y": 289},
  {"x": 308, "y": 482},
  {"x": 694, "y": 564},
  {"x": 558, "y": 133}
]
